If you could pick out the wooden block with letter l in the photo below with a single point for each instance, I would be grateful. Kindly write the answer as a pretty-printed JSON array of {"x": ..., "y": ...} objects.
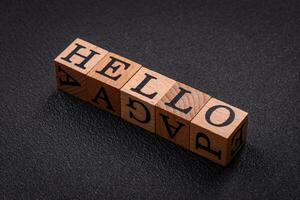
[
  {"x": 140, "y": 95},
  {"x": 218, "y": 131},
  {"x": 175, "y": 111},
  {"x": 106, "y": 79},
  {"x": 73, "y": 64}
]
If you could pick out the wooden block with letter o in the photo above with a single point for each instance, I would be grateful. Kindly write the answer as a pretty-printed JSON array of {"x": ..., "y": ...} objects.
[
  {"x": 175, "y": 111},
  {"x": 107, "y": 78},
  {"x": 74, "y": 63},
  {"x": 218, "y": 131},
  {"x": 140, "y": 95}
]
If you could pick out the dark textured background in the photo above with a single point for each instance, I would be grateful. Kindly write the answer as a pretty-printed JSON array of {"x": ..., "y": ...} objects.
[{"x": 53, "y": 146}]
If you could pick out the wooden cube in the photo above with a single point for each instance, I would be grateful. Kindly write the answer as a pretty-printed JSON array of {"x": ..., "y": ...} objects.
[
  {"x": 73, "y": 64},
  {"x": 106, "y": 79},
  {"x": 140, "y": 95},
  {"x": 218, "y": 131},
  {"x": 175, "y": 111}
]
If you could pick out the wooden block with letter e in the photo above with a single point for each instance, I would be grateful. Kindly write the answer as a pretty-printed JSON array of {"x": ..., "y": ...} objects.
[
  {"x": 218, "y": 131},
  {"x": 107, "y": 78},
  {"x": 74, "y": 63},
  {"x": 175, "y": 111},
  {"x": 140, "y": 95}
]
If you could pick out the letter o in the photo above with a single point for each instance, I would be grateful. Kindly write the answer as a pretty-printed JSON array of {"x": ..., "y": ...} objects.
[{"x": 228, "y": 121}]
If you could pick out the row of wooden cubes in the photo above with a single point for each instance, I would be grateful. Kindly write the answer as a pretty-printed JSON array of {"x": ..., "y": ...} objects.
[{"x": 184, "y": 115}]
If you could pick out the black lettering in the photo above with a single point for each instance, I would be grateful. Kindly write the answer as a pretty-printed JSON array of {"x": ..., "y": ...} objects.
[
  {"x": 237, "y": 140},
  {"x": 228, "y": 121},
  {"x": 176, "y": 99},
  {"x": 131, "y": 115},
  {"x": 114, "y": 68},
  {"x": 142, "y": 84},
  {"x": 206, "y": 148},
  {"x": 75, "y": 52},
  {"x": 172, "y": 130},
  {"x": 102, "y": 95},
  {"x": 69, "y": 79}
]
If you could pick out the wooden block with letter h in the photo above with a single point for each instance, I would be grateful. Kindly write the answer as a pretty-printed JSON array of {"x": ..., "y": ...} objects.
[
  {"x": 218, "y": 131},
  {"x": 175, "y": 111},
  {"x": 73, "y": 64},
  {"x": 140, "y": 95}
]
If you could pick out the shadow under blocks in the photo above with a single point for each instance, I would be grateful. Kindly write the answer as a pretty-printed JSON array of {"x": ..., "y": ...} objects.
[{"x": 183, "y": 115}]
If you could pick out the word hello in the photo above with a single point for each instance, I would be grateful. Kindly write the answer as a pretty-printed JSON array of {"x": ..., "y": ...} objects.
[{"x": 184, "y": 115}]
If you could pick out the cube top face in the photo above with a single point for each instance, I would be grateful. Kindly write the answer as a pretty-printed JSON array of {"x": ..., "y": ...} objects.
[
  {"x": 148, "y": 86},
  {"x": 183, "y": 101},
  {"x": 81, "y": 56},
  {"x": 114, "y": 70},
  {"x": 219, "y": 118}
]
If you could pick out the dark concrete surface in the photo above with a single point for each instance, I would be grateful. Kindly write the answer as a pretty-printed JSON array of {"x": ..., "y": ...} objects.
[{"x": 53, "y": 146}]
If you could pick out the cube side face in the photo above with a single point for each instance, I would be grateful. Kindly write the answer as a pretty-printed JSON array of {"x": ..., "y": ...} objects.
[
  {"x": 71, "y": 81},
  {"x": 172, "y": 128},
  {"x": 138, "y": 112},
  {"x": 237, "y": 140},
  {"x": 208, "y": 144},
  {"x": 104, "y": 96},
  {"x": 219, "y": 124}
]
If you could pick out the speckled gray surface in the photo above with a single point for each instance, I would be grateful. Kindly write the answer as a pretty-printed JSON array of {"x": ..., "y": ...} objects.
[{"x": 53, "y": 146}]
